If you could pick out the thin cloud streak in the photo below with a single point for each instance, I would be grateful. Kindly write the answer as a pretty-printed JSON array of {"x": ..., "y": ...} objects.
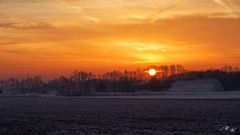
[
  {"x": 165, "y": 9},
  {"x": 224, "y": 5}
]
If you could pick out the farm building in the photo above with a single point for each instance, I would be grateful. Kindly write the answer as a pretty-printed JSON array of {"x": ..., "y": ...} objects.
[{"x": 202, "y": 85}]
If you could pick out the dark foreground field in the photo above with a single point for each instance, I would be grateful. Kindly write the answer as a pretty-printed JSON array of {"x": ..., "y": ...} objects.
[{"x": 35, "y": 115}]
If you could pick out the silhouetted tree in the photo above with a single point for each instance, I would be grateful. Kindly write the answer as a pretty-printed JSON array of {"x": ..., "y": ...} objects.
[{"x": 82, "y": 83}]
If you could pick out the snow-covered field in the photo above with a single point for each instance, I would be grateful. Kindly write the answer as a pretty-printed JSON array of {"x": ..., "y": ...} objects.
[
  {"x": 77, "y": 116},
  {"x": 169, "y": 95},
  {"x": 148, "y": 95}
]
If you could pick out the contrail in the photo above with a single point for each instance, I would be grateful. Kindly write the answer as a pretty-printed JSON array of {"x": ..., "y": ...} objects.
[
  {"x": 154, "y": 3},
  {"x": 224, "y": 5},
  {"x": 165, "y": 9}
]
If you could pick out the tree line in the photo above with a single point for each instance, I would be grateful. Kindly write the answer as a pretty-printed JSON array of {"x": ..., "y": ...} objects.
[{"x": 84, "y": 83}]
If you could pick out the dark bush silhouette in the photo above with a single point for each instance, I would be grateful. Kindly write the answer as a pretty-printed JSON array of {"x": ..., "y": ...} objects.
[{"x": 84, "y": 83}]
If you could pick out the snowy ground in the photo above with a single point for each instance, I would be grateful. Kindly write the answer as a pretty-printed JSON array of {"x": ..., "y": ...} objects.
[
  {"x": 67, "y": 116},
  {"x": 169, "y": 95},
  {"x": 148, "y": 95}
]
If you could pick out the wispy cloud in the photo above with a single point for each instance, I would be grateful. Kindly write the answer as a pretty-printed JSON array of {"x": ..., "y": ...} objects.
[
  {"x": 224, "y": 5},
  {"x": 26, "y": 25},
  {"x": 176, "y": 3}
]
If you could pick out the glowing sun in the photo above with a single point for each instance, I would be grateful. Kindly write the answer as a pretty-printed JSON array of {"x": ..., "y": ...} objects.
[{"x": 152, "y": 72}]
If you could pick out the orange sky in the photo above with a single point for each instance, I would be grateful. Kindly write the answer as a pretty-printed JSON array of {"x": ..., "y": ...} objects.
[{"x": 53, "y": 37}]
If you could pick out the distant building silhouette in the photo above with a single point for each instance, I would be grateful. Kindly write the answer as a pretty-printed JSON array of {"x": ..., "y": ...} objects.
[{"x": 200, "y": 85}]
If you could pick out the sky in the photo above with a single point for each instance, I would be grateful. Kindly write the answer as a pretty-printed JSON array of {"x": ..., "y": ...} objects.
[{"x": 53, "y": 37}]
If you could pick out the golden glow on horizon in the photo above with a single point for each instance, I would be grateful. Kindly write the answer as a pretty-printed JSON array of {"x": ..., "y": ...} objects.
[{"x": 50, "y": 37}]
